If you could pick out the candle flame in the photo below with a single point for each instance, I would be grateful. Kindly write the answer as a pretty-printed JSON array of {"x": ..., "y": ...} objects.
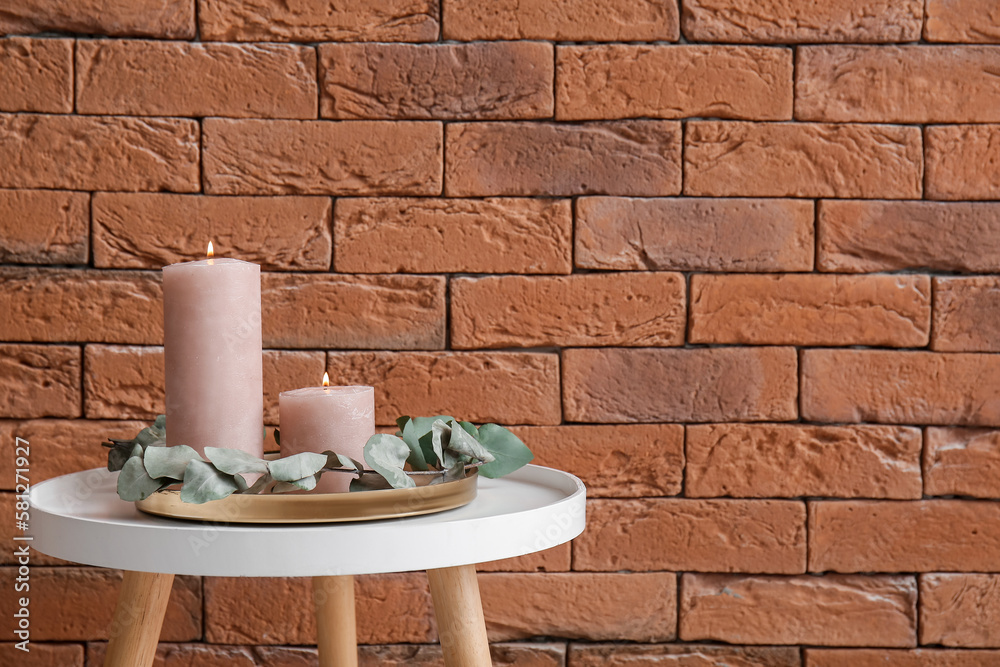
[
  {"x": 326, "y": 379},
  {"x": 211, "y": 250}
]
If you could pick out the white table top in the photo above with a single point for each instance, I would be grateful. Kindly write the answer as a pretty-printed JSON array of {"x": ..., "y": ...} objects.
[{"x": 80, "y": 518}]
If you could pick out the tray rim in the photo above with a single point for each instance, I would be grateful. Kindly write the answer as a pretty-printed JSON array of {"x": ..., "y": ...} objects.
[{"x": 300, "y": 508}]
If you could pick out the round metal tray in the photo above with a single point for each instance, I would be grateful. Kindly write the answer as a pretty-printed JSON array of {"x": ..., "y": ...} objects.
[{"x": 425, "y": 498}]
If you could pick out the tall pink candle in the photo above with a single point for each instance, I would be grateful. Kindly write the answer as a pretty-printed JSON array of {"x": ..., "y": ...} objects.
[
  {"x": 316, "y": 419},
  {"x": 212, "y": 348}
]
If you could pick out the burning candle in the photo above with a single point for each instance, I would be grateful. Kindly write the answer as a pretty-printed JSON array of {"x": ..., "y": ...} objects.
[
  {"x": 212, "y": 353},
  {"x": 315, "y": 419}
]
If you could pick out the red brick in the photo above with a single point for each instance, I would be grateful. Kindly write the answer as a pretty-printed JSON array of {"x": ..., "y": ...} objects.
[
  {"x": 44, "y": 227},
  {"x": 733, "y": 159},
  {"x": 780, "y": 22},
  {"x": 39, "y": 381},
  {"x": 36, "y": 74},
  {"x": 964, "y": 315},
  {"x": 359, "y": 312},
  {"x": 809, "y": 309},
  {"x": 694, "y": 234},
  {"x": 128, "y": 382},
  {"x": 897, "y": 84},
  {"x": 562, "y": 20},
  {"x": 390, "y": 608},
  {"x": 315, "y": 21},
  {"x": 631, "y": 81},
  {"x": 962, "y": 462},
  {"x": 396, "y": 655},
  {"x": 151, "y": 230},
  {"x": 862, "y": 236},
  {"x": 503, "y": 655},
  {"x": 962, "y": 21},
  {"x": 150, "y": 78},
  {"x": 639, "y": 157},
  {"x": 920, "y": 657},
  {"x": 141, "y": 18},
  {"x": 453, "y": 235},
  {"x": 962, "y": 162},
  {"x": 628, "y": 309},
  {"x": 632, "y": 460},
  {"x": 321, "y": 157},
  {"x": 922, "y": 536},
  {"x": 485, "y": 80},
  {"x": 76, "y": 604},
  {"x": 630, "y": 607},
  {"x": 833, "y": 610},
  {"x": 502, "y": 387},
  {"x": 107, "y": 153},
  {"x": 900, "y": 387},
  {"x": 681, "y": 655},
  {"x": 960, "y": 610},
  {"x": 65, "y": 305},
  {"x": 787, "y": 461},
  {"x": 647, "y": 385},
  {"x": 285, "y": 370},
  {"x": 42, "y": 655},
  {"x": 123, "y": 382},
  {"x": 556, "y": 559},
  {"x": 693, "y": 536},
  {"x": 60, "y": 446}
]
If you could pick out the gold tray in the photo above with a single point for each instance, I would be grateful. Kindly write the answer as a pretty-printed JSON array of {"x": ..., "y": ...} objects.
[{"x": 425, "y": 498}]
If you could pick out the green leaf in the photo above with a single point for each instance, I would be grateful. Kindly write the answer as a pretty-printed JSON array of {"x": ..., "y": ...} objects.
[
  {"x": 440, "y": 440},
  {"x": 117, "y": 456},
  {"x": 160, "y": 423},
  {"x": 168, "y": 461},
  {"x": 509, "y": 452},
  {"x": 235, "y": 461},
  {"x": 386, "y": 454},
  {"x": 260, "y": 485},
  {"x": 408, "y": 433},
  {"x": 292, "y": 468},
  {"x": 304, "y": 484},
  {"x": 154, "y": 435},
  {"x": 464, "y": 443},
  {"x": 277, "y": 437},
  {"x": 133, "y": 482},
  {"x": 202, "y": 483},
  {"x": 335, "y": 460},
  {"x": 471, "y": 429}
]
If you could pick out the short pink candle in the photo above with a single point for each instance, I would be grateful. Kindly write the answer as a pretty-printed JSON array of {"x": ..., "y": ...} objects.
[
  {"x": 212, "y": 354},
  {"x": 316, "y": 419}
]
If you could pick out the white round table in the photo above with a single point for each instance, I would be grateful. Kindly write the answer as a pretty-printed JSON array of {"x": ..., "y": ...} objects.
[{"x": 80, "y": 518}]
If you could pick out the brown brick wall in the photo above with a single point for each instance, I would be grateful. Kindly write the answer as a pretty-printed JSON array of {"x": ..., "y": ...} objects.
[{"x": 735, "y": 263}]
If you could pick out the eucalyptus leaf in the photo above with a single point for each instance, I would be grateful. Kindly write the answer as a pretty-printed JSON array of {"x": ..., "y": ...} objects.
[
  {"x": 168, "y": 461},
  {"x": 154, "y": 435},
  {"x": 421, "y": 432},
  {"x": 509, "y": 452},
  {"x": 386, "y": 454},
  {"x": 470, "y": 428},
  {"x": 452, "y": 474},
  {"x": 241, "y": 484},
  {"x": 235, "y": 461},
  {"x": 408, "y": 433},
  {"x": 304, "y": 484},
  {"x": 133, "y": 481},
  {"x": 117, "y": 456},
  {"x": 292, "y": 468},
  {"x": 440, "y": 440},
  {"x": 462, "y": 442},
  {"x": 260, "y": 485},
  {"x": 335, "y": 460},
  {"x": 202, "y": 483},
  {"x": 277, "y": 437}
]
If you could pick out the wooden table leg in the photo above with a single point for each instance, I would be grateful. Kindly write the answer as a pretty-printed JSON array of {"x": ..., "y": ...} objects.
[
  {"x": 135, "y": 629},
  {"x": 335, "y": 625},
  {"x": 459, "y": 612}
]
